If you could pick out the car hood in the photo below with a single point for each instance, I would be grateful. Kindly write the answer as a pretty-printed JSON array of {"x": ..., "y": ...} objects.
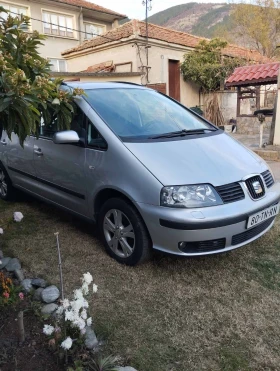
[{"x": 216, "y": 159}]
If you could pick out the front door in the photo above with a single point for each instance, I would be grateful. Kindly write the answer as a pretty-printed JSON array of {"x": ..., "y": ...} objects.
[
  {"x": 174, "y": 79},
  {"x": 60, "y": 168}
]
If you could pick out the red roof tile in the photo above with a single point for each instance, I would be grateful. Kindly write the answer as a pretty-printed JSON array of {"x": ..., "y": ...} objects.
[
  {"x": 138, "y": 29},
  {"x": 101, "y": 67},
  {"x": 255, "y": 74},
  {"x": 92, "y": 6}
]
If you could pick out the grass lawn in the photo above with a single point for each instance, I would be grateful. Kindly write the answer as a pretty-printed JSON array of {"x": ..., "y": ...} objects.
[{"x": 214, "y": 313}]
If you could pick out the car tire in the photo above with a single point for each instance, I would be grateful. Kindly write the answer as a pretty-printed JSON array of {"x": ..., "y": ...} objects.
[
  {"x": 123, "y": 232},
  {"x": 7, "y": 191}
]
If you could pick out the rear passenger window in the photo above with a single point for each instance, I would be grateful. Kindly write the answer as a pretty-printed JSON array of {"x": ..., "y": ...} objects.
[{"x": 94, "y": 138}]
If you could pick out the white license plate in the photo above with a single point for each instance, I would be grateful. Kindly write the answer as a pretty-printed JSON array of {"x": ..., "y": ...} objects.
[{"x": 263, "y": 215}]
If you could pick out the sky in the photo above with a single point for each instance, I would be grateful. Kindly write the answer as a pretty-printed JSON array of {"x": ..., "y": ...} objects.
[{"x": 135, "y": 9}]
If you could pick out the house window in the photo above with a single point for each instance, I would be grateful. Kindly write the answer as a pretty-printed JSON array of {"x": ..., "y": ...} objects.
[
  {"x": 93, "y": 30},
  {"x": 14, "y": 10},
  {"x": 58, "y": 24},
  {"x": 58, "y": 65}
]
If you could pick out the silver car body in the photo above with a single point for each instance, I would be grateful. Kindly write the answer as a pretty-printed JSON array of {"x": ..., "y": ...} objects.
[{"x": 73, "y": 177}]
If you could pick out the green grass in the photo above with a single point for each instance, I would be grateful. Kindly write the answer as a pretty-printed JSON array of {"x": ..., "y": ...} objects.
[{"x": 217, "y": 313}]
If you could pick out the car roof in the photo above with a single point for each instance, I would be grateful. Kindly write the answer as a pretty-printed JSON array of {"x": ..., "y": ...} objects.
[{"x": 103, "y": 85}]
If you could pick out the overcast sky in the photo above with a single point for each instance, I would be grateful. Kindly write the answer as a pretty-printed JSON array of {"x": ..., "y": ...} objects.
[{"x": 135, "y": 9}]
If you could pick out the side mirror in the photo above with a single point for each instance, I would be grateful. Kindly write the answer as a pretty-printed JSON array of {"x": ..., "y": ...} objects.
[{"x": 66, "y": 137}]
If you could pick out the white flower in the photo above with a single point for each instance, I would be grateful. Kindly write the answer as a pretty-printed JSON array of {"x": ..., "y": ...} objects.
[
  {"x": 65, "y": 303},
  {"x": 89, "y": 321},
  {"x": 78, "y": 294},
  {"x": 59, "y": 311},
  {"x": 18, "y": 216},
  {"x": 56, "y": 101},
  {"x": 48, "y": 330},
  {"x": 79, "y": 322},
  {"x": 71, "y": 315},
  {"x": 87, "y": 278},
  {"x": 94, "y": 288},
  {"x": 85, "y": 288},
  {"x": 84, "y": 314},
  {"x": 67, "y": 343},
  {"x": 1, "y": 231},
  {"x": 76, "y": 305}
]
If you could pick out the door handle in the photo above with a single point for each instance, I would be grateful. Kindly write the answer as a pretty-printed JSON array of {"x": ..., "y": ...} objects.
[
  {"x": 38, "y": 152},
  {"x": 3, "y": 142}
]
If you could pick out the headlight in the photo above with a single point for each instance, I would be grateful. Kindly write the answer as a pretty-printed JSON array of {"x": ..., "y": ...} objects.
[{"x": 200, "y": 195}]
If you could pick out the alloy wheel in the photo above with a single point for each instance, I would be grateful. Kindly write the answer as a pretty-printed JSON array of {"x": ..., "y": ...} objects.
[
  {"x": 119, "y": 233},
  {"x": 3, "y": 184}
]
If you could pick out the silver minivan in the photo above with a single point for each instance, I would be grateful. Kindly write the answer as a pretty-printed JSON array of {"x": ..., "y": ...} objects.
[{"x": 150, "y": 172}]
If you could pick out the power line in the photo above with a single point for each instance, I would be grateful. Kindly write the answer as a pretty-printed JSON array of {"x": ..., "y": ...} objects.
[{"x": 66, "y": 28}]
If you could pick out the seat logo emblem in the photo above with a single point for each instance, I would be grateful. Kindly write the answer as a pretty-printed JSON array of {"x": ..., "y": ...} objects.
[{"x": 257, "y": 187}]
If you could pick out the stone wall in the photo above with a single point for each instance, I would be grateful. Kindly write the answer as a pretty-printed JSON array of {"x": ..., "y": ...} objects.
[{"x": 251, "y": 125}]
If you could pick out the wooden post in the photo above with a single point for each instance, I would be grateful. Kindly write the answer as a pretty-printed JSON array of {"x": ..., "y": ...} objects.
[
  {"x": 59, "y": 266},
  {"x": 261, "y": 134},
  {"x": 21, "y": 327}
]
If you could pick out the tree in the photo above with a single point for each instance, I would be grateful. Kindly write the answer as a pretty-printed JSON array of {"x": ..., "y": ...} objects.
[
  {"x": 27, "y": 94},
  {"x": 258, "y": 25},
  {"x": 206, "y": 66}
]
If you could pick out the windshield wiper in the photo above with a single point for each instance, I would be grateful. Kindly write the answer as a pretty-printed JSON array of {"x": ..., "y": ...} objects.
[{"x": 181, "y": 133}]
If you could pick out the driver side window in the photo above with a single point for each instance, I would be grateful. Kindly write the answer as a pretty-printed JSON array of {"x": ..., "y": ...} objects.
[{"x": 95, "y": 139}]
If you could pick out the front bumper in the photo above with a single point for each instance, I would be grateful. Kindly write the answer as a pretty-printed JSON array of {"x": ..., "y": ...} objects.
[{"x": 169, "y": 226}]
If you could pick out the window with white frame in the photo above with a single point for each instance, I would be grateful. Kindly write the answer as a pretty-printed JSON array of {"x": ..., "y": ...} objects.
[
  {"x": 58, "y": 24},
  {"x": 58, "y": 65},
  {"x": 15, "y": 9},
  {"x": 93, "y": 30}
]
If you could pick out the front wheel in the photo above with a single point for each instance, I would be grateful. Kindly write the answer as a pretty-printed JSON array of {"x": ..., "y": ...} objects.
[
  {"x": 6, "y": 188},
  {"x": 123, "y": 232}
]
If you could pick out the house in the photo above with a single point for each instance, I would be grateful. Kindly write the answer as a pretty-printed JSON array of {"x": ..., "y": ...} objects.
[
  {"x": 158, "y": 58},
  {"x": 66, "y": 24}
]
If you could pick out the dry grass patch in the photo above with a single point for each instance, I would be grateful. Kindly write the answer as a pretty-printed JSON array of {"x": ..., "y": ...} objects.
[{"x": 214, "y": 313}]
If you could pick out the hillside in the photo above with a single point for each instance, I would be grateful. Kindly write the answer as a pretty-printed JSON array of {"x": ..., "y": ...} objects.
[{"x": 195, "y": 18}]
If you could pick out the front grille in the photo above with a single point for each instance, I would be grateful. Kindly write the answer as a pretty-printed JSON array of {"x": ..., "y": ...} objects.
[
  {"x": 268, "y": 178},
  {"x": 231, "y": 192},
  {"x": 251, "y": 233},
  {"x": 251, "y": 182},
  {"x": 202, "y": 246}
]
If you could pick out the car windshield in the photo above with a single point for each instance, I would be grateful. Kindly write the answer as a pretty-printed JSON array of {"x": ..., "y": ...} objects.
[{"x": 142, "y": 113}]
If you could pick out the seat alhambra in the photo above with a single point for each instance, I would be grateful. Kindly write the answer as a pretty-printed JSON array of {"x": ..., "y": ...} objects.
[{"x": 150, "y": 172}]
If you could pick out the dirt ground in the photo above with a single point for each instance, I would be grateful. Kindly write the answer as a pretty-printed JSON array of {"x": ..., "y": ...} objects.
[{"x": 171, "y": 314}]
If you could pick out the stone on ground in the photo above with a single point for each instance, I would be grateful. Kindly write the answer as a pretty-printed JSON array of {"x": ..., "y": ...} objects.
[
  {"x": 26, "y": 285},
  {"x": 49, "y": 309},
  {"x": 13, "y": 265},
  {"x": 38, "y": 294},
  {"x": 4, "y": 261},
  {"x": 91, "y": 341},
  {"x": 1, "y": 254},
  {"x": 50, "y": 294},
  {"x": 19, "y": 274},
  {"x": 39, "y": 282}
]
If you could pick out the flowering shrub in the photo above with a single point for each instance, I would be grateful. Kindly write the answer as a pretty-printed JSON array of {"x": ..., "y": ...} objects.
[
  {"x": 72, "y": 315},
  {"x": 8, "y": 292}
]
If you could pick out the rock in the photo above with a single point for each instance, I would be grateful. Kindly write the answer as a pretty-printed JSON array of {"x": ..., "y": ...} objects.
[
  {"x": 38, "y": 294},
  {"x": 48, "y": 309},
  {"x": 39, "y": 282},
  {"x": 91, "y": 341},
  {"x": 19, "y": 274},
  {"x": 1, "y": 254},
  {"x": 4, "y": 261},
  {"x": 127, "y": 368},
  {"x": 13, "y": 265},
  {"x": 50, "y": 294},
  {"x": 26, "y": 285}
]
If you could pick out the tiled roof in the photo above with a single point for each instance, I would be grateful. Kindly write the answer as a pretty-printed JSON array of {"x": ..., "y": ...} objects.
[
  {"x": 101, "y": 67},
  {"x": 138, "y": 28},
  {"x": 92, "y": 6},
  {"x": 255, "y": 74}
]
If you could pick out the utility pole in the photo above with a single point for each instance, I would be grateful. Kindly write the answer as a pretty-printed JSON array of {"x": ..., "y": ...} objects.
[{"x": 148, "y": 7}]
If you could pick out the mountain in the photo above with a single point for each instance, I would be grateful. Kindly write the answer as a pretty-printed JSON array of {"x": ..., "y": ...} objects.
[{"x": 196, "y": 18}]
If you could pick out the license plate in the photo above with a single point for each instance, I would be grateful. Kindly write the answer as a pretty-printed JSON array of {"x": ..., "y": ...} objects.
[{"x": 263, "y": 215}]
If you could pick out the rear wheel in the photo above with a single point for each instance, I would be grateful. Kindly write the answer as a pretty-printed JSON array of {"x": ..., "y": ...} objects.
[
  {"x": 6, "y": 188},
  {"x": 123, "y": 232}
]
